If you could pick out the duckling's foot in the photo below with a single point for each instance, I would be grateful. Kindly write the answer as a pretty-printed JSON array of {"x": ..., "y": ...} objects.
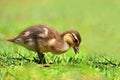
[
  {"x": 46, "y": 65},
  {"x": 52, "y": 63}
]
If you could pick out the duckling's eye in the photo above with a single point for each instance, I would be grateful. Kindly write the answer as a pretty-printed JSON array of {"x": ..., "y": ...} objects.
[{"x": 75, "y": 38}]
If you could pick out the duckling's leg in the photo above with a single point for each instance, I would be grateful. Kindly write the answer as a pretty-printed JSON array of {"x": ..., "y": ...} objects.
[
  {"x": 42, "y": 58},
  {"x": 40, "y": 54}
]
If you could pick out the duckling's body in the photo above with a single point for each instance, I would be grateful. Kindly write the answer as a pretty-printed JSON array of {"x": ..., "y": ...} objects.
[{"x": 41, "y": 38}]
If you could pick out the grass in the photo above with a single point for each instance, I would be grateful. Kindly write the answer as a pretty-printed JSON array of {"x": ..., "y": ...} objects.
[
  {"x": 97, "y": 22},
  {"x": 17, "y": 63}
]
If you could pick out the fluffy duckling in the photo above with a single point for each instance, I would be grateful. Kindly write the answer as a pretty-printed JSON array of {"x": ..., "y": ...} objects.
[{"x": 41, "y": 39}]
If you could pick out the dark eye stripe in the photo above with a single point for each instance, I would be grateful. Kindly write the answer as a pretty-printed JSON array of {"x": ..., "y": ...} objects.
[{"x": 75, "y": 39}]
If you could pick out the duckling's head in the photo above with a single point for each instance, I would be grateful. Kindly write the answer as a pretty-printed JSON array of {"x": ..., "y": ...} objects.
[{"x": 73, "y": 39}]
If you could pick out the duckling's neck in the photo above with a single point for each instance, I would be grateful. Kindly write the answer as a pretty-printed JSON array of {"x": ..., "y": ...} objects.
[
  {"x": 59, "y": 48},
  {"x": 65, "y": 47}
]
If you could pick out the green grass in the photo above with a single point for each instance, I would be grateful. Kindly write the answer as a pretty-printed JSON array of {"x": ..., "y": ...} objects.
[
  {"x": 17, "y": 63},
  {"x": 97, "y": 22}
]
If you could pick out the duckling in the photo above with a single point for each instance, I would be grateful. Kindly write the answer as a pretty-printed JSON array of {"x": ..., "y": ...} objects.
[{"x": 43, "y": 39}]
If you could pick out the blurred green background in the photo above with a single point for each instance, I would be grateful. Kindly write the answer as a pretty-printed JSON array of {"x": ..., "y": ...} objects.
[{"x": 97, "y": 21}]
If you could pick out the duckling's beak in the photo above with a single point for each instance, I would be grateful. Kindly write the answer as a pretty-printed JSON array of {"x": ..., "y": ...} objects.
[{"x": 76, "y": 49}]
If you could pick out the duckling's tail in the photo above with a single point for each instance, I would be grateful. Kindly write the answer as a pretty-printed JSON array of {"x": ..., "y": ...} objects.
[{"x": 11, "y": 40}]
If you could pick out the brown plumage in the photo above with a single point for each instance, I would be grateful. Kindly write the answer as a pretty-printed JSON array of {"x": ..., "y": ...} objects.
[{"x": 41, "y": 39}]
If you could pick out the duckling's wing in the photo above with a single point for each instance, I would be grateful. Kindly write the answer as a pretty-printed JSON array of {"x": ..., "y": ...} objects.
[{"x": 40, "y": 33}]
